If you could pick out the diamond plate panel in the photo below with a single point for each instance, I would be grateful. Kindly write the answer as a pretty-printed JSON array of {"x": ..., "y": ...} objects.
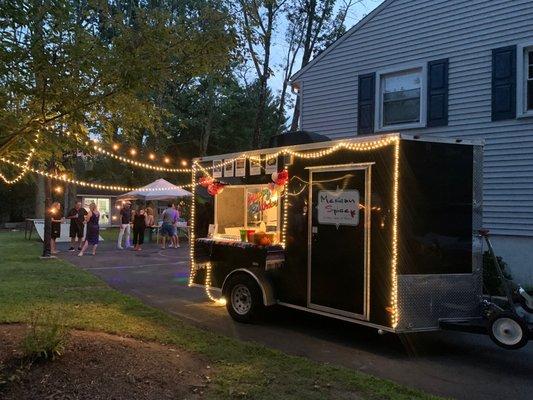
[{"x": 424, "y": 299}]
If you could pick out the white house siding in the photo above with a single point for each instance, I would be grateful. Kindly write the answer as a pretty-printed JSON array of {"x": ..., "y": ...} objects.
[{"x": 465, "y": 32}]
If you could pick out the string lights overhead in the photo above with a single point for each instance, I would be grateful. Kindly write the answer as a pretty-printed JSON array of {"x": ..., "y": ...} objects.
[
  {"x": 65, "y": 178},
  {"x": 141, "y": 164},
  {"x": 25, "y": 167}
]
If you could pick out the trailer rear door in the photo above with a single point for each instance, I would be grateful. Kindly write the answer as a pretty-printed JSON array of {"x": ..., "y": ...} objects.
[{"x": 339, "y": 227}]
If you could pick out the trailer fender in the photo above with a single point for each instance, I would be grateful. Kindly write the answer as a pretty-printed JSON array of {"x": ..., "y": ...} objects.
[{"x": 262, "y": 281}]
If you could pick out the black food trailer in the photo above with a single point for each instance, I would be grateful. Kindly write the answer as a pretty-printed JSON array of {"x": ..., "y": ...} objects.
[{"x": 381, "y": 231}]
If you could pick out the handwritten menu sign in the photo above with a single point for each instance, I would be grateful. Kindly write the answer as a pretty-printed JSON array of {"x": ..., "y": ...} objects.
[{"x": 338, "y": 207}]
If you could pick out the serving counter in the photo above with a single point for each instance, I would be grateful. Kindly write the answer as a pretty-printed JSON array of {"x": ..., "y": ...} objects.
[{"x": 226, "y": 255}]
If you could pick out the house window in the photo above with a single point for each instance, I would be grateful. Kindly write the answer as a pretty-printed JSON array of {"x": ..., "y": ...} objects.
[
  {"x": 525, "y": 80},
  {"x": 104, "y": 206},
  {"x": 402, "y": 100}
]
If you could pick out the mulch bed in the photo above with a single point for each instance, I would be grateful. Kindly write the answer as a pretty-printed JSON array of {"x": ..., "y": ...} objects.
[{"x": 100, "y": 366}]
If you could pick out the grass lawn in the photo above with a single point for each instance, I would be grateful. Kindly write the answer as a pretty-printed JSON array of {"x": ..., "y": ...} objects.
[{"x": 241, "y": 369}]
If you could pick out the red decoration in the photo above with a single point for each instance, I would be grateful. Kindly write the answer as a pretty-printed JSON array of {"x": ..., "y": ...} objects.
[
  {"x": 205, "y": 181},
  {"x": 282, "y": 178},
  {"x": 215, "y": 188}
]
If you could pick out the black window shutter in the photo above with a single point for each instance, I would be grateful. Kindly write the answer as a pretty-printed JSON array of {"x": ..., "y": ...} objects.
[
  {"x": 437, "y": 96},
  {"x": 366, "y": 100},
  {"x": 504, "y": 83}
]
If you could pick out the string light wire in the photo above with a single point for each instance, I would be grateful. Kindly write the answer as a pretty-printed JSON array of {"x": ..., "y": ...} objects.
[
  {"x": 65, "y": 178},
  {"x": 139, "y": 164}
]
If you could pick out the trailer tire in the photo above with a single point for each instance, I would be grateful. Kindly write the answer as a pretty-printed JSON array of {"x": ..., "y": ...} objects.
[
  {"x": 243, "y": 298},
  {"x": 508, "y": 331}
]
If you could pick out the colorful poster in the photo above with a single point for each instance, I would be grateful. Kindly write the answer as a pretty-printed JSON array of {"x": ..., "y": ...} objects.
[
  {"x": 217, "y": 168},
  {"x": 228, "y": 168},
  {"x": 271, "y": 165},
  {"x": 261, "y": 200},
  {"x": 240, "y": 167},
  {"x": 255, "y": 165},
  {"x": 339, "y": 207}
]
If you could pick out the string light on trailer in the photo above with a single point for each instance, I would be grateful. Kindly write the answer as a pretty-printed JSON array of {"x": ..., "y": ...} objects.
[
  {"x": 192, "y": 272},
  {"x": 352, "y": 146}
]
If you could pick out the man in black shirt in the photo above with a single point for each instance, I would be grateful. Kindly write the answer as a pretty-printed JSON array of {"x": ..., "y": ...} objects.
[
  {"x": 77, "y": 221},
  {"x": 125, "y": 219}
]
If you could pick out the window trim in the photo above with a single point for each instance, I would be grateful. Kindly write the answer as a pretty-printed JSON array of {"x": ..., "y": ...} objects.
[
  {"x": 521, "y": 74},
  {"x": 244, "y": 187},
  {"x": 378, "y": 110}
]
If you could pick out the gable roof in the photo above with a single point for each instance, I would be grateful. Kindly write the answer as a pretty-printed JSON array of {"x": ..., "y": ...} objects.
[{"x": 350, "y": 31}]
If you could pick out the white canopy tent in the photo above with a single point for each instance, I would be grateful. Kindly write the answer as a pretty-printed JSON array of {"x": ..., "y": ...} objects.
[{"x": 160, "y": 189}]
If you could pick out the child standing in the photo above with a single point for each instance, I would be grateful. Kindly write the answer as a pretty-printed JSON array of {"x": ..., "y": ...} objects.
[{"x": 139, "y": 226}]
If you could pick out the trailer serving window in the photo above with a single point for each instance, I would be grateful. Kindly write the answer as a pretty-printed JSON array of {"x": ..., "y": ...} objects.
[{"x": 246, "y": 207}]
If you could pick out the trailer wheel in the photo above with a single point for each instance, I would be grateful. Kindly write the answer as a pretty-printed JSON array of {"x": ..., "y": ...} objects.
[
  {"x": 508, "y": 331},
  {"x": 243, "y": 298}
]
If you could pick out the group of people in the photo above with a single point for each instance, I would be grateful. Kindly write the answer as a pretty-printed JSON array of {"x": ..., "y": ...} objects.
[
  {"x": 137, "y": 220},
  {"x": 144, "y": 218},
  {"x": 79, "y": 217}
]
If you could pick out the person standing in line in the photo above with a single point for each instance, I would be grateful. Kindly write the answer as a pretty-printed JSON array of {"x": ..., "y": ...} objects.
[
  {"x": 57, "y": 219},
  {"x": 175, "y": 238},
  {"x": 93, "y": 230},
  {"x": 77, "y": 221},
  {"x": 167, "y": 228},
  {"x": 149, "y": 220},
  {"x": 125, "y": 227},
  {"x": 139, "y": 226}
]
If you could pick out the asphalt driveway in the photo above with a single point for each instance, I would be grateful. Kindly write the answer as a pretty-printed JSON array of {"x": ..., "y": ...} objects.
[{"x": 449, "y": 364}]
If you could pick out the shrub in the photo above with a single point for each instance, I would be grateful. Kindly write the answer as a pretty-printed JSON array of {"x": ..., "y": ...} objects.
[
  {"x": 46, "y": 337},
  {"x": 491, "y": 279}
]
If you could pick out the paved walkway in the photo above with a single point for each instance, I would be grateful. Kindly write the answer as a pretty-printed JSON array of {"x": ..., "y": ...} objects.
[{"x": 450, "y": 364}]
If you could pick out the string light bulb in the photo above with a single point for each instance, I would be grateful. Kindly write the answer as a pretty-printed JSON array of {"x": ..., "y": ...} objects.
[
  {"x": 166, "y": 160},
  {"x": 116, "y": 146},
  {"x": 140, "y": 164},
  {"x": 133, "y": 152}
]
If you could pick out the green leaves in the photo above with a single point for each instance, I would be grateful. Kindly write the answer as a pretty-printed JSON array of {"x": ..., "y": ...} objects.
[{"x": 100, "y": 66}]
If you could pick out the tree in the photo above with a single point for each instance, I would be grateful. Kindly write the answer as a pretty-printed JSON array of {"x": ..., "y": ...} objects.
[
  {"x": 69, "y": 68},
  {"x": 321, "y": 27},
  {"x": 257, "y": 23}
]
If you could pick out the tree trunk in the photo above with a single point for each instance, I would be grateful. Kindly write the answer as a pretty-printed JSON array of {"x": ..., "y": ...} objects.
[
  {"x": 263, "y": 79},
  {"x": 47, "y": 219},
  {"x": 308, "y": 50},
  {"x": 72, "y": 195},
  {"x": 39, "y": 196},
  {"x": 260, "y": 115},
  {"x": 296, "y": 115}
]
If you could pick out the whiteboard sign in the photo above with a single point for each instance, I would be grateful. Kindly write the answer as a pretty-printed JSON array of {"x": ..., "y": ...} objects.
[
  {"x": 65, "y": 231},
  {"x": 338, "y": 207}
]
